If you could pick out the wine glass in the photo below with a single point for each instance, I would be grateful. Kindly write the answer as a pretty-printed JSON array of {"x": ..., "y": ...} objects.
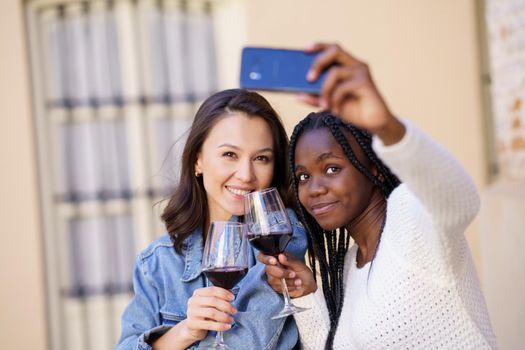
[
  {"x": 270, "y": 230},
  {"x": 225, "y": 260}
]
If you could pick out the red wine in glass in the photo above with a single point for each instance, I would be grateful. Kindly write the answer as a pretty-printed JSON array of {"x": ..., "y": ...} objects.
[
  {"x": 225, "y": 260},
  {"x": 273, "y": 243},
  {"x": 225, "y": 277},
  {"x": 269, "y": 231}
]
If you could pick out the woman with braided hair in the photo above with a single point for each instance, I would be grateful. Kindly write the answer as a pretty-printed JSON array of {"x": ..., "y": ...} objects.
[{"x": 408, "y": 280}]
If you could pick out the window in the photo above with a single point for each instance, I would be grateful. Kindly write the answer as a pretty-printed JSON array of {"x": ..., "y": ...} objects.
[{"x": 116, "y": 85}]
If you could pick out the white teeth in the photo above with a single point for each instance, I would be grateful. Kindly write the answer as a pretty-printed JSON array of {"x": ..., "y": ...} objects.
[{"x": 238, "y": 191}]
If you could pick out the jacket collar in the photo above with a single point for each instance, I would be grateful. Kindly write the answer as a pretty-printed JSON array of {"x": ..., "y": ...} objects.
[{"x": 192, "y": 249}]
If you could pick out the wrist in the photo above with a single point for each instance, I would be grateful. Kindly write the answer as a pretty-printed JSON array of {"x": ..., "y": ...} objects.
[
  {"x": 185, "y": 334},
  {"x": 178, "y": 337},
  {"x": 311, "y": 289},
  {"x": 391, "y": 132}
]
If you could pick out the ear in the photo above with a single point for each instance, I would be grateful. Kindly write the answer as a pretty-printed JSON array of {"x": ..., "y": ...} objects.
[
  {"x": 377, "y": 174},
  {"x": 374, "y": 171},
  {"x": 198, "y": 164}
]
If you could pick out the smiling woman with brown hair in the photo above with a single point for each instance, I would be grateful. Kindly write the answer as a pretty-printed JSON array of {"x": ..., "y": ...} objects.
[
  {"x": 409, "y": 280},
  {"x": 237, "y": 144}
]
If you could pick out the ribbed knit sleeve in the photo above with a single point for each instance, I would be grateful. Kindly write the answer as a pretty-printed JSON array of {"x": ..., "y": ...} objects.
[
  {"x": 435, "y": 177},
  {"x": 313, "y": 323},
  {"x": 434, "y": 205}
]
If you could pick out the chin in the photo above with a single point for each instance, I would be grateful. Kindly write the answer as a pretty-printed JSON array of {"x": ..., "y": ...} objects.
[
  {"x": 238, "y": 212},
  {"x": 330, "y": 228},
  {"x": 327, "y": 225}
]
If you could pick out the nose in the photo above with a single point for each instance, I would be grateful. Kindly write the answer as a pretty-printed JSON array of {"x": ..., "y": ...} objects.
[
  {"x": 245, "y": 172},
  {"x": 316, "y": 187}
]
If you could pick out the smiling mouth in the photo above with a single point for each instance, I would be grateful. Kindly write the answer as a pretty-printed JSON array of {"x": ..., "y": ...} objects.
[
  {"x": 238, "y": 191},
  {"x": 322, "y": 208}
]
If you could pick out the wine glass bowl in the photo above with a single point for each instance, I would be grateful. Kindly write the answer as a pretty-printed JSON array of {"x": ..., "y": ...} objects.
[
  {"x": 270, "y": 231},
  {"x": 225, "y": 260}
]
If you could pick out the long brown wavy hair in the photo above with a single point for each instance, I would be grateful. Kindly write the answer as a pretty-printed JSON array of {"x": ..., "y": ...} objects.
[{"x": 187, "y": 208}]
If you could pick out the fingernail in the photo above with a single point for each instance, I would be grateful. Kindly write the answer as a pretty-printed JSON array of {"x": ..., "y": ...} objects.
[
  {"x": 292, "y": 274},
  {"x": 324, "y": 104},
  {"x": 273, "y": 261},
  {"x": 232, "y": 296},
  {"x": 234, "y": 311},
  {"x": 310, "y": 76},
  {"x": 310, "y": 46}
]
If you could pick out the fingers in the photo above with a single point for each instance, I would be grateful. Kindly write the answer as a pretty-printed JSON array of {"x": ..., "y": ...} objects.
[
  {"x": 342, "y": 92},
  {"x": 275, "y": 283},
  {"x": 215, "y": 292},
  {"x": 210, "y": 309},
  {"x": 267, "y": 259},
  {"x": 206, "y": 302},
  {"x": 330, "y": 54},
  {"x": 311, "y": 100},
  {"x": 297, "y": 276},
  {"x": 315, "y": 47},
  {"x": 279, "y": 272},
  {"x": 285, "y": 266},
  {"x": 292, "y": 284},
  {"x": 335, "y": 76},
  {"x": 209, "y": 313},
  {"x": 291, "y": 262},
  {"x": 200, "y": 324}
]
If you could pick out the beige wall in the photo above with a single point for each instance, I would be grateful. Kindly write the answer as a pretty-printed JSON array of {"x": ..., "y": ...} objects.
[
  {"x": 22, "y": 320},
  {"x": 423, "y": 54}
]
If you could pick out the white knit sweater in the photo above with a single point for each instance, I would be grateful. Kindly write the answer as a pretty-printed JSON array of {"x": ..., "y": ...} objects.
[{"x": 421, "y": 291}]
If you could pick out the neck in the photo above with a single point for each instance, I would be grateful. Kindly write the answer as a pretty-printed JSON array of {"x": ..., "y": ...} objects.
[
  {"x": 205, "y": 228},
  {"x": 365, "y": 230}
]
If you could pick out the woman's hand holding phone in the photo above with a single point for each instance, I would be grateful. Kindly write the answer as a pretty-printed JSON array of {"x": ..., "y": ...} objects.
[{"x": 350, "y": 92}]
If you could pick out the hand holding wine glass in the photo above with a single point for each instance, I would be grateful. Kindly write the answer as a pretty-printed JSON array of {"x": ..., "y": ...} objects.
[
  {"x": 270, "y": 230},
  {"x": 225, "y": 262},
  {"x": 299, "y": 277}
]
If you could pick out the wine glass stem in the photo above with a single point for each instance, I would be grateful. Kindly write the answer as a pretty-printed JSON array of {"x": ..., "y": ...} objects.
[
  {"x": 219, "y": 338},
  {"x": 287, "y": 300}
]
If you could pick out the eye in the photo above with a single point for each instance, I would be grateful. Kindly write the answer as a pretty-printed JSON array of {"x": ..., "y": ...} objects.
[
  {"x": 332, "y": 170},
  {"x": 229, "y": 154},
  {"x": 302, "y": 177},
  {"x": 264, "y": 159}
]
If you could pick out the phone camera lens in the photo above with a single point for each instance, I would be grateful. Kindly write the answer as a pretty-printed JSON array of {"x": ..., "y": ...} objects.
[{"x": 255, "y": 76}]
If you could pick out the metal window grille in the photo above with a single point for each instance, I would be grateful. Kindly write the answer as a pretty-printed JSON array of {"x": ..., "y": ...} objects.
[{"x": 116, "y": 84}]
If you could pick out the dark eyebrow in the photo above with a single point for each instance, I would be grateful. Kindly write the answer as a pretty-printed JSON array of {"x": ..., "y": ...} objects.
[
  {"x": 228, "y": 145},
  {"x": 327, "y": 155},
  {"x": 323, "y": 156}
]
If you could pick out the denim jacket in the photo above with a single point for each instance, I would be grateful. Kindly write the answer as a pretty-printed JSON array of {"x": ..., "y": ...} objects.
[{"x": 163, "y": 282}]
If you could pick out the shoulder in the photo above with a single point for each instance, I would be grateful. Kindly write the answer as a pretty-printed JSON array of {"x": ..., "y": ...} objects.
[
  {"x": 296, "y": 223},
  {"x": 160, "y": 256},
  {"x": 298, "y": 244},
  {"x": 400, "y": 194},
  {"x": 402, "y": 202},
  {"x": 160, "y": 245}
]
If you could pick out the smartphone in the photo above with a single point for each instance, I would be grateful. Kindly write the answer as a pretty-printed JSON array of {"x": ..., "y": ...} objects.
[{"x": 272, "y": 69}]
